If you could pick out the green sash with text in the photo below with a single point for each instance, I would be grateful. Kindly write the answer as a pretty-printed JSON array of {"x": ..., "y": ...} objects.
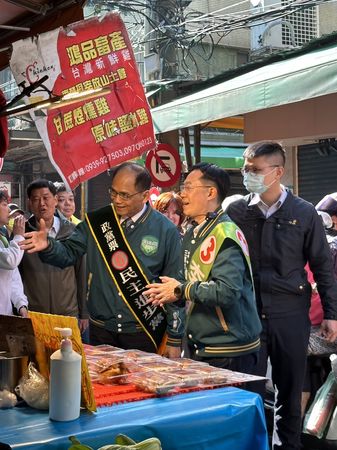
[{"x": 204, "y": 256}]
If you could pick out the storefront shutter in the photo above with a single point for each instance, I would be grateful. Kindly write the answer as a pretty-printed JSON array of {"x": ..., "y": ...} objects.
[{"x": 317, "y": 173}]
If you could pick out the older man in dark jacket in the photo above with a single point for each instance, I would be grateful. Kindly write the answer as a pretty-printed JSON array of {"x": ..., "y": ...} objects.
[{"x": 50, "y": 289}]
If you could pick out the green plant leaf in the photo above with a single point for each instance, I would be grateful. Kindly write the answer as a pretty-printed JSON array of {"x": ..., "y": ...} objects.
[{"x": 76, "y": 444}]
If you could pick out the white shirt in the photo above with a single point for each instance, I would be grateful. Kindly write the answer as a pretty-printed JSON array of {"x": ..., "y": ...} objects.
[
  {"x": 197, "y": 228},
  {"x": 266, "y": 210},
  {"x": 11, "y": 288},
  {"x": 55, "y": 228},
  {"x": 135, "y": 217}
]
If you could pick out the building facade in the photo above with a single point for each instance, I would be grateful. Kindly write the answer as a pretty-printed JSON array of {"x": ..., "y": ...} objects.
[{"x": 205, "y": 39}]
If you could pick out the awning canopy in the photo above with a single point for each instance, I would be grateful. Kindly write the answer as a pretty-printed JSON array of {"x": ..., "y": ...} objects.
[
  {"x": 225, "y": 157},
  {"x": 20, "y": 19},
  {"x": 299, "y": 78}
]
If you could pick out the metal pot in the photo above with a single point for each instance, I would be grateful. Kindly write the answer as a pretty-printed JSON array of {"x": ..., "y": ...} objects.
[{"x": 11, "y": 370}]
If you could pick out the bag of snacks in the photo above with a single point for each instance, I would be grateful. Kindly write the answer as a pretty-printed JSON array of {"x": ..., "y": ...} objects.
[{"x": 34, "y": 388}]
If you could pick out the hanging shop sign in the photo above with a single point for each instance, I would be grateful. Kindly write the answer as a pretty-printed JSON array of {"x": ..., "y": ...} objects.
[
  {"x": 102, "y": 117},
  {"x": 164, "y": 165}
]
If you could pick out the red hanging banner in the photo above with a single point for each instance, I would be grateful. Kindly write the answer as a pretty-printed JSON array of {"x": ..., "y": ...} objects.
[{"x": 113, "y": 123}]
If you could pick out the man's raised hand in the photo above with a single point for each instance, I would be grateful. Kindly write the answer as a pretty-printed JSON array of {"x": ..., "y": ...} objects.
[
  {"x": 19, "y": 225},
  {"x": 36, "y": 241}
]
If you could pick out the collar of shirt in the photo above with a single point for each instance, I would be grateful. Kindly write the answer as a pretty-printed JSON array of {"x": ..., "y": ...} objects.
[
  {"x": 209, "y": 216},
  {"x": 55, "y": 227},
  {"x": 198, "y": 228},
  {"x": 135, "y": 217},
  {"x": 266, "y": 210}
]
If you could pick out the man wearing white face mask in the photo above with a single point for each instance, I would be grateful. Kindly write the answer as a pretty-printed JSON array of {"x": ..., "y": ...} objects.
[
  {"x": 284, "y": 232},
  {"x": 255, "y": 182}
]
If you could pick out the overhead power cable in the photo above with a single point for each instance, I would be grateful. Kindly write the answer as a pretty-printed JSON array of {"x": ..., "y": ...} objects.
[{"x": 194, "y": 34}]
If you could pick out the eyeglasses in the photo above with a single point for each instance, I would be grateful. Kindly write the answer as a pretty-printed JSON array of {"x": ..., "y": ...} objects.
[
  {"x": 255, "y": 169},
  {"x": 122, "y": 195},
  {"x": 188, "y": 188}
]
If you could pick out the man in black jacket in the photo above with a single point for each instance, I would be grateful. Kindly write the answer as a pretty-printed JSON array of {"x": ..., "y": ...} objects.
[{"x": 284, "y": 232}]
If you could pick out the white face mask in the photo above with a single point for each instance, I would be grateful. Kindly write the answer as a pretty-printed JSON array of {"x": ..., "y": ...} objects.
[{"x": 254, "y": 182}]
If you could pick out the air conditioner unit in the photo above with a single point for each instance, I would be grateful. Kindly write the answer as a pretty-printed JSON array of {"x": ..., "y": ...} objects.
[{"x": 285, "y": 32}]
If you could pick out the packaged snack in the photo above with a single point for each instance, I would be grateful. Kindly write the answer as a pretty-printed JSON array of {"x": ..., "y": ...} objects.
[
  {"x": 106, "y": 368},
  {"x": 210, "y": 375},
  {"x": 187, "y": 377},
  {"x": 156, "y": 382}
]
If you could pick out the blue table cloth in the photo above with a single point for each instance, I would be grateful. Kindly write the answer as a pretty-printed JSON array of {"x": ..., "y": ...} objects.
[{"x": 218, "y": 419}]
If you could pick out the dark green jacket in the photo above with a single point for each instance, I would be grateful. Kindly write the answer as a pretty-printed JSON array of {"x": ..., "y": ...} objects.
[
  {"x": 223, "y": 321},
  {"x": 106, "y": 308}
]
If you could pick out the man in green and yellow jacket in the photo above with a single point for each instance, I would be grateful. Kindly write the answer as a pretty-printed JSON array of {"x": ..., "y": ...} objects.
[{"x": 223, "y": 326}]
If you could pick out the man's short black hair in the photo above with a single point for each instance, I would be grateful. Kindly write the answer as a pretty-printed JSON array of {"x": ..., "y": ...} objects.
[
  {"x": 39, "y": 184},
  {"x": 265, "y": 148},
  {"x": 143, "y": 177},
  {"x": 3, "y": 195},
  {"x": 216, "y": 175}
]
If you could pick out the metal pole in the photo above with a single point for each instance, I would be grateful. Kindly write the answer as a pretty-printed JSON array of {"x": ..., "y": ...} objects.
[
  {"x": 187, "y": 147},
  {"x": 197, "y": 143},
  {"x": 84, "y": 198}
]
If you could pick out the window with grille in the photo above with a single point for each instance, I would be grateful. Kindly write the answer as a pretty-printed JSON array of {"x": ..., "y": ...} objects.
[{"x": 299, "y": 27}]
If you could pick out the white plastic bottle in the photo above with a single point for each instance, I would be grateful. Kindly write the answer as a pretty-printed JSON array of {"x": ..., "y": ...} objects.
[{"x": 65, "y": 381}]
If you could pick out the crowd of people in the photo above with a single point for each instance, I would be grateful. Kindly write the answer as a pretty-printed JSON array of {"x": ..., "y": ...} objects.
[{"x": 225, "y": 275}]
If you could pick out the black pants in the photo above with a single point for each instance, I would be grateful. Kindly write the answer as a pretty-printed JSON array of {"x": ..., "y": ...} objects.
[
  {"x": 244, "y": 364},
  {"x": 139, "y": 341},
  {"x": 285, "y": 341}
]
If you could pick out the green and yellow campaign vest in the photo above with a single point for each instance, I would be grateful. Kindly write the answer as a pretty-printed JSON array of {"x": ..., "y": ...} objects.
[{"x": 201, "y": 262}]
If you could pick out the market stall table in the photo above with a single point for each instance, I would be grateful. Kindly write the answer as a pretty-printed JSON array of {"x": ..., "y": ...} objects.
[{"x": 217, "y": 419}]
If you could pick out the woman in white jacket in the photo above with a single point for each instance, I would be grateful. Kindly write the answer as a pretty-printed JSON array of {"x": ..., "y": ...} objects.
[{"x": 11, "y": 288}]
